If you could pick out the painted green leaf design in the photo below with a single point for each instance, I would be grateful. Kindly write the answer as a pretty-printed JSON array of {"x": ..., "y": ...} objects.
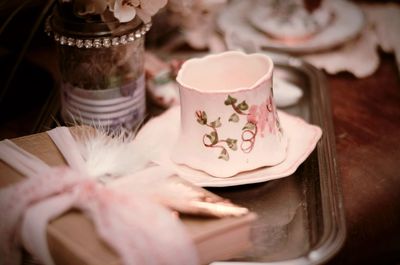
[
  {"x": 201, "y": 117},
  {"x": 232, "y": 143},
  {"x": 234, "y": 118},
  {"x": 224, "y": 155},
  {"x": 249, "y": 126},
  {"x": 216, "y": 123},
  {"x": 230, "y": 100},
  {"x": 243, "y": 105},
  {"x": 201, "y": 121},
  {"x": 213, "y": 137}
]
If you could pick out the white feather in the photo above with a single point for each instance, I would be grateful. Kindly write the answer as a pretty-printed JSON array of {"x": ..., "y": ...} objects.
[
  {"x": 107, "y": 156},
  {"x": 111, "y": 155}
]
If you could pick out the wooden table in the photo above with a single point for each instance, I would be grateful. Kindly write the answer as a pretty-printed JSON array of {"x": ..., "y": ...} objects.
[{"x": 366, "y": 116}]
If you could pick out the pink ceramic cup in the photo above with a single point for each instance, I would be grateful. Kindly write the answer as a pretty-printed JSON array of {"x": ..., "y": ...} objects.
[{"x": 229, "y": 122}]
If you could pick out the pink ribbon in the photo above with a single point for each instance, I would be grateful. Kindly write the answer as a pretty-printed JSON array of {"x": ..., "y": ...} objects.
[{"x": 140, "y": 230}]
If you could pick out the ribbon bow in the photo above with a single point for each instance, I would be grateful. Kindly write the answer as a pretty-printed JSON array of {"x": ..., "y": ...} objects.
[{"x": 139, "y": 230}]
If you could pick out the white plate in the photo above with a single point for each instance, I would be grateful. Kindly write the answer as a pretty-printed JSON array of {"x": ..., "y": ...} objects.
[
  {"x": 159, "y": 135},
  {"x": 347, "y": 24}
]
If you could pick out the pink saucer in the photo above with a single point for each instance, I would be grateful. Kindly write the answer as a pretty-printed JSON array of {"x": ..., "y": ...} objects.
[{"x": 159, "y": 135}]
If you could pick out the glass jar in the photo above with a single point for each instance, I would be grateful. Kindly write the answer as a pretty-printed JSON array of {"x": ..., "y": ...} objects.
[{"x": 102, "y": 69}]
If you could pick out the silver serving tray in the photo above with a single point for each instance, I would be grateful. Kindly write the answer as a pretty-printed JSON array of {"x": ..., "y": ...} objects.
[{"x": 301, "y": 217}]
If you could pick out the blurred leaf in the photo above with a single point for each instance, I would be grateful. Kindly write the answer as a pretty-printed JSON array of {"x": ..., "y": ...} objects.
[
  {"x": 243, "y": 105},
  {"x": 201, "y": 117},
  {"x": 213, "y": 137},
  {"x": 216, "y": 123},
  {"x": 224, "y": 155},
  {"x": 232, "y": 143},
  {"x": 234, "y": 118},
  {"x": 249, "y": 126},
  {"x": 230, "y": 100}
]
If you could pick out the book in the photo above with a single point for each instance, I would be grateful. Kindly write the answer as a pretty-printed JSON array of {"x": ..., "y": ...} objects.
[{"x": 72, "y": 238}]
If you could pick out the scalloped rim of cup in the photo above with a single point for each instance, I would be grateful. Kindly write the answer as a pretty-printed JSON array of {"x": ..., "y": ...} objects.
[{"x": 189, "y": 62}]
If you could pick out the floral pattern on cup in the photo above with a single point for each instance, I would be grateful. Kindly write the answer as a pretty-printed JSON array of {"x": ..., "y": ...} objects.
[
  {"x": 249, "y": 131},
  {"x": 259, "y": 117},
  {"x": 264, "y": 116},
  {"x": 212, "y": 139}
]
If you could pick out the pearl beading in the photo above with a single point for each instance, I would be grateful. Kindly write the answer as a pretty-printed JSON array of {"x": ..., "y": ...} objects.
[{"x": 102, "y": 42}]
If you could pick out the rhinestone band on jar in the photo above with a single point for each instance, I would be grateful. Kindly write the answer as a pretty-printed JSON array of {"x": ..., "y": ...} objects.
[{"x": 104, "y": 42}]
